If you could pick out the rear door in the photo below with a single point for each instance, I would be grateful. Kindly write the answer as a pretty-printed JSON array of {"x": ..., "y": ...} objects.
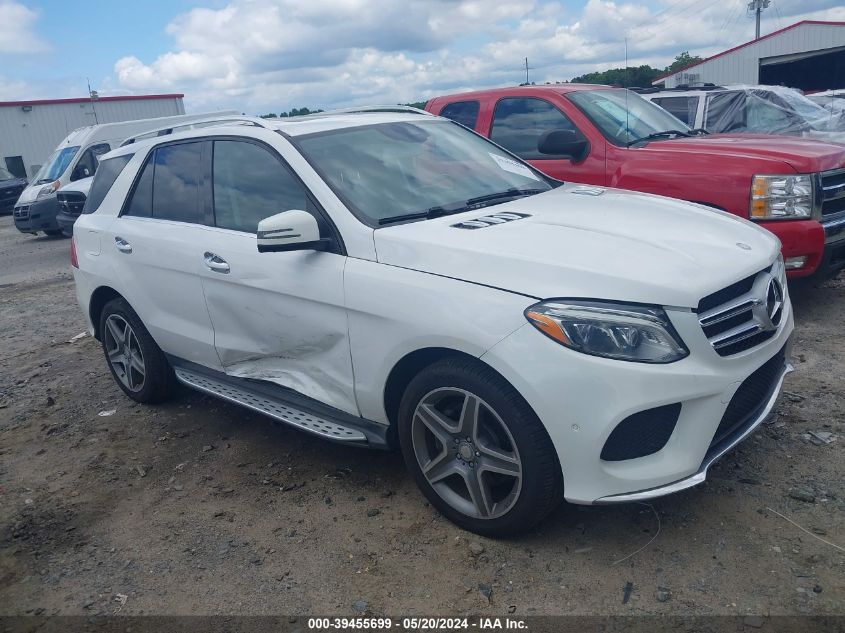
[
  {"x": 158, "y": 253},
  {"x": 518, "y": 123},
  {"x": 277, "y": 317}
]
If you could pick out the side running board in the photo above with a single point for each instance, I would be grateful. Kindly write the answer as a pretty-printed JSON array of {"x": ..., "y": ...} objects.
[{"x": 254, "y": 396}]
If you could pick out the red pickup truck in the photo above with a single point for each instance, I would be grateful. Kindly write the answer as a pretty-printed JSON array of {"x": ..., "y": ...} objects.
[{"x": 613, "y": 137}]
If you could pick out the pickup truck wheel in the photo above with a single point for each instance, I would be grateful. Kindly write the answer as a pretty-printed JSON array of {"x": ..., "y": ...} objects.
[
  {"x": 477, "y": 450},
  {"x": 136, "y": 362}
]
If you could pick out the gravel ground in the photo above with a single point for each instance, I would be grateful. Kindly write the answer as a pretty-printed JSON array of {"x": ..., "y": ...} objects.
[{"x": 198, "y": 507}]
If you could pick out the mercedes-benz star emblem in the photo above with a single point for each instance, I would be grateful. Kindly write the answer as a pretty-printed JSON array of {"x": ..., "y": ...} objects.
[{"x": 774, "y": 302}]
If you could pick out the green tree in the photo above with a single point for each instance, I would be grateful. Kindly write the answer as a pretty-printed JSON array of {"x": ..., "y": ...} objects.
[
  {"x": 683, "y": 60},
  {"x": 632, "y": 76}
]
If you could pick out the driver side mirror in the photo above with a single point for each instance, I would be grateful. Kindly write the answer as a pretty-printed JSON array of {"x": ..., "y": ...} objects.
[
  {"x": 293, "y": 230},
  {"x": 564, "y": 143}
]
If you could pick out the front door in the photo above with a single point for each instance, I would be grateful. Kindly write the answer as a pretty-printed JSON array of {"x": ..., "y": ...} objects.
[
  {"x": 519, "y": 122},
  {"x": 277, "y": 317}
]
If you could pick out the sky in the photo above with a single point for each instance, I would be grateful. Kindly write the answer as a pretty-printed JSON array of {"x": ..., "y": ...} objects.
[{"x": 262, "y": 56}]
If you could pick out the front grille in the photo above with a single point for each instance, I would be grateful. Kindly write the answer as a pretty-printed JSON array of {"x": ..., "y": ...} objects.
[
  {"x": 746, "y": 313},
  {"x": 751, "y": 398},
  {"x": 833, "y": 191},
  {"x": 641, "y": 434},
  {"x": 71, "y": 202},
  {"x": 22, "y": 212}
]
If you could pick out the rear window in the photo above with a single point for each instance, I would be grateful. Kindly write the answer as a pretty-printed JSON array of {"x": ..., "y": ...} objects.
[{"x": 107, "y": 173}]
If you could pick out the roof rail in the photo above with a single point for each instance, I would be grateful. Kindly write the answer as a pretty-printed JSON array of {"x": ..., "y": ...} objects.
[
  {"x": 704, "y": 86},
  {"x": 399, "y": 109},
  {"x": 212, "y": 121}
]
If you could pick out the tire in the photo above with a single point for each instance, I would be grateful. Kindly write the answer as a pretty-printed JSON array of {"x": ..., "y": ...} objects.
[
  {"x": 54, "y": 233},
  {"x": 508, "y": 438},
  {"x": 151, "y": 380}
]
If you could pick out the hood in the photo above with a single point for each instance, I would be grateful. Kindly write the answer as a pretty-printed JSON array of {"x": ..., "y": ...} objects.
[
  {"x": 13, "y": 183},
  {"x": 29, "y": 194},
  {"x": 83, "y": 185},
  {"x": 588, "y": 242},
  {"x": 805, "y": 155}
]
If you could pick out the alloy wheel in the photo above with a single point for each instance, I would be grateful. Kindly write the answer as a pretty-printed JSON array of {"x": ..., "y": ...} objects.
[
  {"x": 466, "y": 453},
  {"x": 124, "y": 352}
]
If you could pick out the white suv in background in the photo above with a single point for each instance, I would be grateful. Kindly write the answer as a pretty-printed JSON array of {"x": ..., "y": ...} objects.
[{"x": 393, "y": 279}]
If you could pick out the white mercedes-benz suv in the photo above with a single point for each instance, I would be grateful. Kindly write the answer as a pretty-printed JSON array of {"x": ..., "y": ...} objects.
[{"x": 392, "y": 279}]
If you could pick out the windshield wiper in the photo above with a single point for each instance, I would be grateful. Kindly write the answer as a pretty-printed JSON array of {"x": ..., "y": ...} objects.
[
  {"x": 428, "y": 214},
  {"x": 510, "y": 193},
  {"x": 659, "y": 135},
  {"x": 472, "y": 203},
  {"x": 699, "y": 131}
]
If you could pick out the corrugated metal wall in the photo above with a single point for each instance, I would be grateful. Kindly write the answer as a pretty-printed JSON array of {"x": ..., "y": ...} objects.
[
  {"x": 35, "y": 134},
  {"x": 743, "y": 66}
]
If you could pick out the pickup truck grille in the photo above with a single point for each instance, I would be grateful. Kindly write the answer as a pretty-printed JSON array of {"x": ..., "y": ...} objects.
[
  {"x": 746, "y": 313},
  {"x": 833, "y": 191},
  {"x": 9, "y": 195},
  {"x": 71, "y": 202}
]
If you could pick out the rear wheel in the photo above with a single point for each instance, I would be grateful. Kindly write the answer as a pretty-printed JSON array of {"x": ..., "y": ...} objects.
[
  {"x": 136, "y": 362},
  {"x": 477, "y": 450}
]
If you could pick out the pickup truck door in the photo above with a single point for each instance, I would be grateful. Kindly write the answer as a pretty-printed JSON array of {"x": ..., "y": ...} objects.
[
  {"x": 518, "y": 122},
  {"x": 277, "y": 317}
]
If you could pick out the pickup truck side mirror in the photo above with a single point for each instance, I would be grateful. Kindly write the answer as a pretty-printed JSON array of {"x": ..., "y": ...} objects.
[
  {"x": 564, "y": 143},
  {"x": 293, "y": 230}
]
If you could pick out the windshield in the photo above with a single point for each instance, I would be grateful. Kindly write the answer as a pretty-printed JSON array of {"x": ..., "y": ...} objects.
[
  {"x": 5, "y": 175},
  {"x": 390, "y": 170},
  {"x": 624, "y": 116},
  {"x": 55, "y": 165}
]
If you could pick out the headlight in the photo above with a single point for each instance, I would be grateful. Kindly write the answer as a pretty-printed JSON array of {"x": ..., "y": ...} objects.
[
  {"x": 781, "y": 197},
  {"x": 641, "y": 334},
  {"x": 48, "y": 190}
]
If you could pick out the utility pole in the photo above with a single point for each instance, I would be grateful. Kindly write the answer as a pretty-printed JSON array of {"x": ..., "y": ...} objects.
[
  {"x": 526, "y": 71},
  {"x": 93, "y": 96},
  {"x": 757, "y": 6}
]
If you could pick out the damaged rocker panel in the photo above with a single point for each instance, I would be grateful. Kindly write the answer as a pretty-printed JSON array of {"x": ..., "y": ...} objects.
[{"x": 284, "y": 405}]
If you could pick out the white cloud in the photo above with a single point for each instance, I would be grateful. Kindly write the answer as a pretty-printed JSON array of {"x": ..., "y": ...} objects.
[
  {"x": 17, "y": 33},
  {"x": 269, "y": 55}
]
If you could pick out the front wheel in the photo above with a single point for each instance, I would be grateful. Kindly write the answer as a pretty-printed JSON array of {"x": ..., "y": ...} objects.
[{"x": 477, "y": 450}]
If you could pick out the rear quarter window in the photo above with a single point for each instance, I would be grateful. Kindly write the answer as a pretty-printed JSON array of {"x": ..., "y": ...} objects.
[
  {"x": 463, "y": 112},
  {"x": 107, "y": 173}
]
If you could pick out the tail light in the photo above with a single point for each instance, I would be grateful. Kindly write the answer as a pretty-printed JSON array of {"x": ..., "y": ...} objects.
[{"x": 74, "y": 261}]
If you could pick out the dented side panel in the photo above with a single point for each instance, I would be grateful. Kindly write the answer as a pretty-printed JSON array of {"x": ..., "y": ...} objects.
[{"x": 280, "y": 317}]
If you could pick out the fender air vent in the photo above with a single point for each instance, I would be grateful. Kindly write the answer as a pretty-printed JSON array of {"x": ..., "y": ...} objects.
[{"x": 490, "y": 220}]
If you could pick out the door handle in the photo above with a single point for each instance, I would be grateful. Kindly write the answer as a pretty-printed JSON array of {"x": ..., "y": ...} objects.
[
  {"x": 122, "y": 245},
  {"x": 216, "y": 263}
]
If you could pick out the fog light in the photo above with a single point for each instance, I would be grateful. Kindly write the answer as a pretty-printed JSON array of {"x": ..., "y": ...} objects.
[{"x": 794, "y": 263}]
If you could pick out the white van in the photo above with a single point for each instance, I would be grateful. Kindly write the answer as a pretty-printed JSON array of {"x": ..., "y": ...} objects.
[{"x": 76, "y": 157}]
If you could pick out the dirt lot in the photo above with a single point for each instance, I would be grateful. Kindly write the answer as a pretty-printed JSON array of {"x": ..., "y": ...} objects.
[{"x": 201, "y": 507}]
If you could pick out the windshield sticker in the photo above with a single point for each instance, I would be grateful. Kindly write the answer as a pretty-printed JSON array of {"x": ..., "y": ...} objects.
[{"x": 512, "y": 166}]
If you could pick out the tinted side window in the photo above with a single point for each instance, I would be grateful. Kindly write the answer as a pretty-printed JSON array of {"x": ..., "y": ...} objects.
[
  {"x": 141, "y": 199},
  {"x": 176, "y": 182},
  {"x": 518, "y": 124},
  {"x": 107, "y": 173},
  {"x": 682, "y": 108},
  {"x": 463, "y": 112},
  {"x": 251, "y": 184}
]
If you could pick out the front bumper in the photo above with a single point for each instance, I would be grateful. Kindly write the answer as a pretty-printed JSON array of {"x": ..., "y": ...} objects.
[
  {"x": 799, "y": 238},
  {"x": 581, "y": 400},
  {"x": 39, "y": 215},
  {"x": 65, "y": 222}
]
